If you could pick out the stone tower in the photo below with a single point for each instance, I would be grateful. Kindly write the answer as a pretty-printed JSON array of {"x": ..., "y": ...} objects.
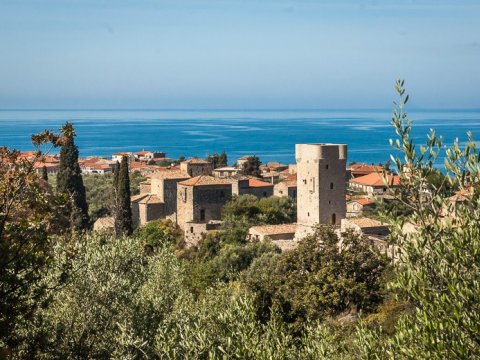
[{"x": 321, "y": 185}]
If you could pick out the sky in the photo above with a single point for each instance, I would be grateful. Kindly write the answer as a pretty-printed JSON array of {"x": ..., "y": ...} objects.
[{"x": 238, "y": 54}]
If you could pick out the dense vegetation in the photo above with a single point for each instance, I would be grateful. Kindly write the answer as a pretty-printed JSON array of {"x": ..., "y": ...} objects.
[
  {"x": 121, "y": 201},
  {"x": 251, "y": 166},
  {"x": 70, "y": 181},
  {"x": 218, "y": 160},
  {"x": 66, "y": 294}
]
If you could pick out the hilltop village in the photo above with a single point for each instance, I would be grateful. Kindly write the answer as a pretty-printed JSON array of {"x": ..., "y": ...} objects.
[{"x": 192, "y": 192}]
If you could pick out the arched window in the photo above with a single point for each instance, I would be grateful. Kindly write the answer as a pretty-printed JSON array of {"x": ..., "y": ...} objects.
[{"x": 334, "y": 219}]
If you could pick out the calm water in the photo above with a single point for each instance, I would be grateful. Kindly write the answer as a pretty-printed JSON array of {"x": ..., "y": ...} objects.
[{"x": 269, "y": 134}]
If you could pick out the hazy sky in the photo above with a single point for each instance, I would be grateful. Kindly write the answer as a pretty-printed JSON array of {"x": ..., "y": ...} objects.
[{"x": 238, "y": 53}]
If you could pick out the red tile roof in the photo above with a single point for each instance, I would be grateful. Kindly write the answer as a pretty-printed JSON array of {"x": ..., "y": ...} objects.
[
  {"x": 196, "y": 161},
  {"x": 275, "y": 229},
  {"x": 204, "y": 180},
  {"x": 376, "y": 180},
  {"x": 364, "y": 169},
  {"x": 364, "y": 201},
  {"x": 40, "y": 164},
  {"x": 252, "y": 182}
]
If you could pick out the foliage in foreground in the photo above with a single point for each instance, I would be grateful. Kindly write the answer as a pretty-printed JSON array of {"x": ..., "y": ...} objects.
[
  {"x": 439, "y": 250},
  {"x": 115, "y": 302},
  {"x": 100, "y": 297}
]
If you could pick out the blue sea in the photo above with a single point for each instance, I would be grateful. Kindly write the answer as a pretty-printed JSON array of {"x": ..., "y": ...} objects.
[{"x": 270, "y": 134}]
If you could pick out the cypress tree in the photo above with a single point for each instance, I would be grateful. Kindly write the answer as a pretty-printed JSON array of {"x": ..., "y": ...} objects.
[
  {"x": 123, "y": 211},
  {"x": 44, "y": 173},
  {"x": 116, "y": 171},
  {"x": 223, "y": 160},
  {"x": 252, "y": 166},
  {"x": 70, "y": 182}
]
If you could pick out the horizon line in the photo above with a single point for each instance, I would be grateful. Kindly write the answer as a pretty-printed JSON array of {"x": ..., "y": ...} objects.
[{"x": 242, "y": 109}]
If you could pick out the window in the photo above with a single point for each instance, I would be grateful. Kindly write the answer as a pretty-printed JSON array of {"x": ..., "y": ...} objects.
[
  {"x": 334, "y": 219},
  {"x": 202, "y": 214},
  {"x": 305, "y": 181},
  {"x": 329, "y": 202},
  {"x": 331, "y": 186},
  {"x": 308, "y": 214},
  {"x": 191, "y": 229},
  {"x": 326, "y": 166}
]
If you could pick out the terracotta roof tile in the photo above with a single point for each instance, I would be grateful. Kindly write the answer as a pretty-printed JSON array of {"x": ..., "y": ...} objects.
[
  {"x": 196, "y": 161},
  {"x": 364, "y": 169},
  {"x": 252, "y": 182},
  {"x": 364, "y": 201},
  {"x": 275, "y": 229},
  {"x": 204, "y": 180},
  {"x": 376, "y": 180}
]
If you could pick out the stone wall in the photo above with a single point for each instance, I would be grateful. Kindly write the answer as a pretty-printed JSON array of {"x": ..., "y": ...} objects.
[
  {"x": 143, "y": 213},
  {"x": 201, "y": 204},
  {"x": 282, "y": 189},
  {"x": 184, "y": 205},
  {"x": 241, "y": 187},
  {"x": 195, "y": 232},
  {"x": 321, "y": 187},
  {"x": 196, "y": 169}
]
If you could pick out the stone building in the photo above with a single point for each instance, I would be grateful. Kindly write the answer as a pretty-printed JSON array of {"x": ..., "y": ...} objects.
[
  {"x": 280, "y": 235},
  {"x": 164, "y": 186},
  {"x": 252, "y": 186},
  {"x": 320, "y": 192},
  {"x": 242, "y": 161},
  {"x": 356, "y": 207},
  {"x": 360, "y": 169},
  {"x": 374, "y": 183},
  {"x": 196, "y": 167},
  {"x": 158, "y": 197},
  {"x": 199, "y": 205},
  {"x": 145, "y": 208},
  {"x": 321, "y": 186},
  {"x": 374, "y": 232},
  {"x": 287, "y": 187},
  {"x": 120, "y": 155},
  {"x": 226, "y": 172}
]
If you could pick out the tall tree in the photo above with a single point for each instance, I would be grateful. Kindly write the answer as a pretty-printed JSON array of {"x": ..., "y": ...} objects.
[
  {"x": 28, "y": 215},
  {"x": 44, "y": 173},
  {"x": 218, "y": 160},
  {"x": 123, "y": 208},
  {"x": 70, "y": 181},
  {"x": 252, "y": 166}
]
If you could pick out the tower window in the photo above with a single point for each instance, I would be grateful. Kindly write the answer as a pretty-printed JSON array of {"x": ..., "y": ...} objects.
[
  {"x": 202, "y": 214},
  {"x": 326, "y": 166},
  {"x": 191, "y": 229},
  {"x": 334, "y": 219},
  {"x": 331, "y": 186}
]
